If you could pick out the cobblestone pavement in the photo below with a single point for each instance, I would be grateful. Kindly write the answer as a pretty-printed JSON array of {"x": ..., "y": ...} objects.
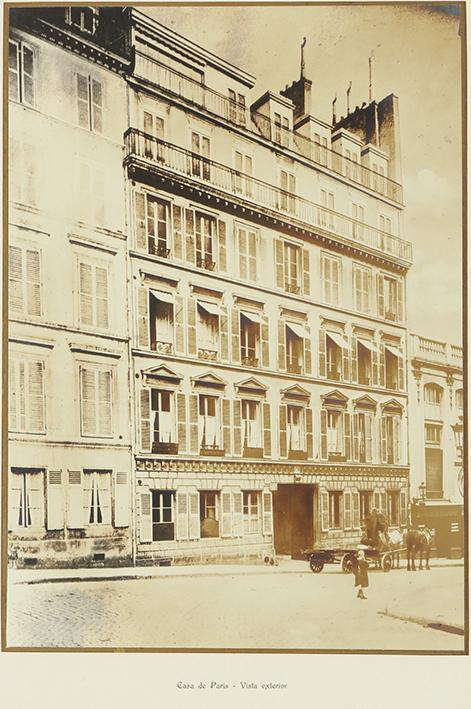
[{"x": 287, "y": 611}]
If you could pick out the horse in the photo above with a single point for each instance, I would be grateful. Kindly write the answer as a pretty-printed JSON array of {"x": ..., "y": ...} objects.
[
  {"x": 418, "y": 541},
  {"x": 395, "y": 543},
  {"x": 377, "y": 534}
]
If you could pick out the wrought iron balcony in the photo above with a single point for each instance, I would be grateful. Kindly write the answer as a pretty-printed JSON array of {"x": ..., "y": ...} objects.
[
  {"x": 179, "y": 161},
  {"x": 250, "y": 361},
  {"x": 212, "y": 450},
  {"x": 294, "y": 368},
  {"x": 193, "y": 92},
  {"x": 205, "y": 262},
  {"x": 165, "y": 448}
]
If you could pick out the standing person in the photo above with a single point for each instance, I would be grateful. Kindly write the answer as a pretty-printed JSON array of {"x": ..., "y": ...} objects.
[{"x": 360, "y": 569}]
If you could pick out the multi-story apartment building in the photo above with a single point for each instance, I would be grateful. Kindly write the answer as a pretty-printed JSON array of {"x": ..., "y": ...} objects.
[
  {"x": 436, "y": 415},
  {"x": 69, "y": 413}
]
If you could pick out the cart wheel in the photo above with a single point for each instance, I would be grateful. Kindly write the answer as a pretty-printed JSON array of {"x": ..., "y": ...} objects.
[
  {"x": 386, "y": 562},
  {"x": 316, "y": 565},
  {"x": 346, "y": 563}
]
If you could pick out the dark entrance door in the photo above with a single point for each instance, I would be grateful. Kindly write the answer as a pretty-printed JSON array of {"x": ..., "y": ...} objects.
[{"x": 293, "y": 512}]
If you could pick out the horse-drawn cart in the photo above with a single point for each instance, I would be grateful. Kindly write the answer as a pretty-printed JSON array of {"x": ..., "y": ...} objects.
[{"x": 379, "y": 558}]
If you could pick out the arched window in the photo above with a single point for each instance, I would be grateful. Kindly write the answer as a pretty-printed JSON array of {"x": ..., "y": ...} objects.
[
  {"x": 433, "y": 394},
  {"x": 459, "y": 398}
]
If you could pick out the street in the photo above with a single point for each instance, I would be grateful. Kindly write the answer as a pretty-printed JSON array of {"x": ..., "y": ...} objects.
[{"x": 259, "y": 609}]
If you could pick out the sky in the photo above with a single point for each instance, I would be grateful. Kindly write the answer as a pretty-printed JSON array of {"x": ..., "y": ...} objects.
[{"x": 417, "y": 56}]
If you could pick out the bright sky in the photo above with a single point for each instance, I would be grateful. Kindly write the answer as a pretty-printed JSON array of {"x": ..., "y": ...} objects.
[{"x": 417, "y": 57}]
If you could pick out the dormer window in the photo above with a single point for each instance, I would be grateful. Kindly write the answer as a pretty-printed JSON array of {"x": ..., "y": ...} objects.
[
  {"x": 281, "y": 132},
  {"x": 237, "y": 108},
  {"x": 83, "y": 18}
]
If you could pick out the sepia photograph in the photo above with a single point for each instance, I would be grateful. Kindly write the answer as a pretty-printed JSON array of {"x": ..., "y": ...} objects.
[{"x": 236, "y": 403}]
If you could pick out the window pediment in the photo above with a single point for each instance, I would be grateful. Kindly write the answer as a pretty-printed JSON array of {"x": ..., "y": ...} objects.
[
  {"x": 296, "y": 393},
  {"x": 335, "y": 398},
  {"x": 392, "y": 406},
  {"x": 161, "y": 374},
  {"x": 252, "y": 386},
  {"x": 365, "y": 402},
  {"x": 209, "y": 379}
]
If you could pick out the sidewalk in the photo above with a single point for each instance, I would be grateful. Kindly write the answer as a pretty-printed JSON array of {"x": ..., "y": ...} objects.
[{"x": 285, "y": 566}]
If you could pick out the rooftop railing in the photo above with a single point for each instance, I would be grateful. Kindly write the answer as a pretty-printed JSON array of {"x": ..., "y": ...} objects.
[
  {"x": 177, "y": 160},
  {"x": 235, "y": 112},
  {"x": 437, "y": 351}
]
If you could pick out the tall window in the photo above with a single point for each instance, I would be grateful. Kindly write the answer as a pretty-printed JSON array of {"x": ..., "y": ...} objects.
[
  {"x": 334, "y": 432},
  {"x": 390, "y": 439},
  {"x": 331, "y": 270},
  {"x": 96, "y": 402},
  {"x": 293, "y": 267},
  {"x": 93, "y": 295},
  {"x": 161, "y": 321},
  {"x": 335, "y": 507},
  {"x": 433, "y": 461},
  {"x": 208, "y": 330},
  {"x": 84, "y": 18},
  {"x": 27, "y": 498},
  {"x": 23, "y": 172},
  {"x": 295, "y": 428},
  {"x": 281, "y": 130},
  {"x": 205, "y": 242},
  {"x": 334, "y": 346},
  {"x": 248, "y": 245},
  {"x": 391, "y": 361},
  {"x": 243, "y": 178},
  {"x": 391, "y": 299},
  {"x": 294, "y": 335},
  {"x": 362, "y": 287},
  {"x": 153, "y": 126},
  {"x": 365, "y": 423},
  {"x": 200, "y": 147},
  {"x": 237, "y": 108},
  {"x": 91, "y": 194},
  {"x": 364, "y": 361},
  {"x": 358, "y": 214},
  {"x": 366, "y": 503},
  {"x": 327, "y": 217},
  {"x": 433, "y": 394},
  {"x": 24, "y": 281},
  {"x": 320, "y": 149},
  {"x": 251, "y": 512},
  {"x": 26, "y": 396},
  {"x": 163, "y": 515},
  {"x": 459, "y": 398},
  {"x": 97, "y": 496},
  {"x": 209, "y": 427},
  {"x": 288, "y": 191},
  {"x": 385, "y": 225},
  {"x": 251, "y": 424},
  {"x": 394, "y": 510},
  {"x": 158, "y": 221},
  {"x": 21, "y": 72},
  {"x": 89, "y": 103},
  {"x": 209, "y": 513},
  {"x": 250, "y": 339},
  {"x": 162, "y": 404}
]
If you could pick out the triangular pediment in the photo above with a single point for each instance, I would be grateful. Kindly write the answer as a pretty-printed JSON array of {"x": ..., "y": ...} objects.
[
  {"x": 295, "y": 392},
  {"x": 365, "y": 402},
  {"x": 335, "y": 396},
  {"x": 161, "y": 373},
  {"x": 209, "y": 379},
  {"x": 392, "y": 405},
  {"x": 252, "y": 384}
]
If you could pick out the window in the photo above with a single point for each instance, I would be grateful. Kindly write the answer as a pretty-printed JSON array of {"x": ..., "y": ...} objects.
[
  {"x": 394, "y": 509},
  {"x": 433, "y": 394},
  {"x": 209, "y": 426},
  {"x": 364, "y": 422},
  {"x": 335, "y": 507},
  {"x": 208, "y": 330},
  {"x": 364, "y": 361},
  {"x": 89, "y": 103},
  {"x": 294, "y": 336},
  {"x": 281, "y": 132},
  {"x": 163, "y": 413},
  {"x": 205, "y": 241},
  {"x": 153, "y": 126},
  {"x": 24, "y": 281},
  {"x": 161, "y": 321},
  {"x": 358, "y": 214},
  {"x": 236, "y": 108},
  {"x": 334, "y": 346},
  {"x": 362, "y": 286},
  {"x": 331, "y": 269},
  {"x": 433, "y": 434},
  {"x": 295, "y": 428},
  {"x": 248, "y": 246},
  {"x": 327, "y": 217},
  {"x": 91, "y": 194},
  {"x": 26, "y": 396},
  {"x": 93, "y": 295},
  {"x": 157, "y": 220},
  {"x": 391, "y": 299},
  {"x": 293, "y": 267},
  {"x": 251, "y": 424},
  {"x": 288, "y": 191},
  {"x": 27, "y": 498},
  {"x": 320, "y": 149},
  {"x": 391, "y": 362},
  {"x": 459, "y": 398},
  {"x": 96, "y": 402},
  {"x": 84, "y": 18},
  {"x": 200, "y": 147},
  {"x": 163, "y": 515},
  {"x": 251, "y": 512},
  {"x": 366, "y": 500},
  {"x": 433, "y": 461},
  {"x": 334, "y": 432},
  {"x": 23, "y": 172},
  {"x": 209, "y": 513},
  {"x": 97, "y": 496},
  {"x": 21, "y": 73},
  {"x": 351, "y": 167},
  {"x": 390, "y": 439},
  {"x": 250, "y": 339},
  {"x": 243, "y": 177}
]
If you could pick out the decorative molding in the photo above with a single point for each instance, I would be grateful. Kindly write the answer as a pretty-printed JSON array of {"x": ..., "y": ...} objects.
[
  {"x": 160, "y": 373},
  {"x": 204, "y": 290},
  {"x": 252, "y": 385},
  {"x": 209, "y": 379},
  {"x": 365, "y": 402},
  {"x": 98, "y": 351},
  {"x": 150, "y": 278},
  {"x": 95, "y": 245},
  {"x": 25, "y": 340},
  {"x": 295, "y": 392}
]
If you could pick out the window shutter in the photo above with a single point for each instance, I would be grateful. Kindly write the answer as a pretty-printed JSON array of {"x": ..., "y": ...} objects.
[
  {"x": 15, "y": 279},
  {"x": 397, "y": 439},
  {"x": 309, "y": 443},
  {"x": 281, "y": 345},
  {"x": 101, "y": 296},
  {"x": 346, "y": 363},
  {"x": 400, "y": 373},
  {"x": 322, "y": 353},
  {"x": 267, "y": 507},
  {"x": 283, "y": 441},
  {"x": 55, "y": 500},
  {"x": 104, "y": 488},
  {"x": 242, "y": 238},
  {"x": 145, "y": 517},
  {"x": 14, "y": 497},
  {"x": 190, "y": 235},
  {"x": 182, "y": 516},
  {"x": 400, "y": 300},
  {"x": 33, "y": 283},
  {"x": 226, "y": 425},
  {"x": 347, "y": 502},
  {"x": 347, "y": 436},
  {"x": 382, "y": 366},
  {"x": 324, "y": 511},
  {"x": 191, "y": 304},
  {"x": 194, "y": 515},
  {"x": 222, "y": 245},
  {"x": 380, "y": 290},
  {"x": 236, "y": 427},
  {"x": 307, "y": 351},
  {"x": 140, "y": 223},
  {"x": 179, "y": 325},
  {"x": 403, "y": 507},
  {"x": 226, "y": 514},
  {"x": 121, "y": 499},
  {"x": 86, "y": 293},
  {"x": 354, "y": 359},
  {"x": 194, "y": 440},
  {"x": 75, "y": 515},
  {"x": 377, "y": 500},
  {"x": 264, "y": 331},
  {"x": 279, "y": 264},
  {"x": 356, "y": 451},
  {"x": 324, "y": 454},
  {"x": 374, "y": 367},
  {"x": 12, "y": 395},
  {"x": 383, "y": 439},
  {"x": 357, "y": 289},
  {"x": 145, "y": 420},
  {"x": 306, "y": 272},
  {"x": 104, "y": 404},
  {"x": 97, "y": 100},
  {"x": 143, "y": 318},
  {"x": 177, "y": 233},
  {"x": 88, "y": 401},
  {"x": 235, "y": 335},
  {"x": 224, "y": 334},
  {"x": 237, "y": 518},
  {"x": 266, "y": 430},
  {"x": 36, "y": 499},
  {"x": 369, "y": 437},
  {"x": 356, "y": 509},
  {"x": 36, "y": 403},
  {"x": 181, "y": 422}
]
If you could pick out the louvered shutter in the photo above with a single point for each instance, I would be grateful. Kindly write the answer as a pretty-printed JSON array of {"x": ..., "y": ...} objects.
[
  {"x": 177, "y": 232},
  {"x": 357, "y": 288},
  {"x": 237, "y": 517},
  {"x": 145, "y": 411},
  {"x": 281, "y": 345},
  {"x": 104, "y": 489},
  {"x": 400, "y": 373},
  {"x": 121, "y": 499},
  {"x": 194, "y": 440},
  {"x": 346, "y": 364},
  {"x": 374, "y": 366},
  {"x": 182, "y": 516},
  {"x": 347, "y": 503},
  {"x": 236, "y": 427},
  {"x": 14, "y": 497},
  {"x": 224, "y": 334},
  {"x": 347, "y": 436},
  {"x": 309, "y": 442},
  {"x": 194, "y": 515},
  {"x": 12, "y": 395},
  {"x": 22, "y": 394},
  {"x": 88, "y": 401},
  {"x": 15, "y": 279},
  {"x": 75, "y": 515},
  {"x": 190, "y": 235},
  {"x": 222, "y": 245},
  {"x": 355, "y": 447},
  {"x": 369, "y": 421},
  {"x": 279, "y": 264},
  {"x": 307, "y": 351},
  {"x": 243, "y": 238},
  {"x": 382, "y": 366},
  {"x": 101, "y": 297},
  {"x": 397, "y": 439},
  {"x": 55, "y": 517},
  {"x": 354, "y": 359},
  {"x": 104, "y": 404},
  {"x": 266, "y": 430},
  {"x": 383, "y": 439},
  {"x": 400, "y": 300},
  {"x": 356, "y": 509},
  {"x": 140, "y": 221},
  {"x": 306, "y": 272},
  {"x": 283, "y": 441},
  {"x": 179, "y": 325},
  {"x": 36, "y": 499},
  {"x": 380, "y": 292},
  {"x": 235, "y": 335},
  {"x": 181, "y": 419},
  {"x": 36, "y": 399},
  {"x": 322, "y": 353},
  {"x": 226, "y": 425},
  {"x": 323, "y": 429},
  {"x": 33, "y": 283},
  {"x": 226, "y": 514},
  {"x": 265, "y": 342},
  {"x": 191, "y": 326},
  {"x": 324, "y": 510},
  {"x": 403, "y": 507},
  {"x": 267, "y": 513},
  {"x": 143, "y": 318},
  {"x": 86, "y": 293},
  {"x": 145, "y": 517}
]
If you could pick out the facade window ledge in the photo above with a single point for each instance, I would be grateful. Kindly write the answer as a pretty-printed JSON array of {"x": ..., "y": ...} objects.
[
  {"x": 250, "y": 362},
  {"x": 162, "y": 347}
]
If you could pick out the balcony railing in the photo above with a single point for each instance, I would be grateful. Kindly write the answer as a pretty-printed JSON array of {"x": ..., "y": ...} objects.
[
  {"x": 180, "y": 161},
  {"x": 194, "y": 92},
  {"x": 437, "y": 351}
]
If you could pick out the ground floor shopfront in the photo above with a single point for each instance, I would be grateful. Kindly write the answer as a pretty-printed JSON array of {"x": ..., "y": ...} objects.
[{"x": 448, "y": 522}]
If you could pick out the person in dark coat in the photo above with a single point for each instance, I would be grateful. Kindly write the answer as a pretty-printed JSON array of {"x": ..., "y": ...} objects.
[{"x": 360, "y": 569}]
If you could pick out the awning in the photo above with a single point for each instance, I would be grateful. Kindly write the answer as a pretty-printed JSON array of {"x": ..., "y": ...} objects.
[
  {"x": 394, "y": 351},
  {"x": 162, "y": 296},
  {"x": 338, "y": 339},
  {"x": 211, "y": 308},
  {"x": 368, "y": 344},
  {"x": 253, "y": 317},
  {"x": 298, "y": 330}
]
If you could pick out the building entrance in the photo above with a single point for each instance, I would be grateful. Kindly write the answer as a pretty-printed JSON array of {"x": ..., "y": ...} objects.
[{"x": 293, "y": 517}]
